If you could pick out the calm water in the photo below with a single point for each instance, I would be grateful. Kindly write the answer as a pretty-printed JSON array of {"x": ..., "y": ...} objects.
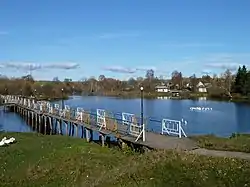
[
  {"x": 225, "y": 118},
  {"x": 12, "y": 122}
]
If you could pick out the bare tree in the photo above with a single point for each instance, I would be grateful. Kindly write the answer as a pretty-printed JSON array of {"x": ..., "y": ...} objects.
[
  {"x": 101, "y": 78},
  {"x": 150, "y": 74},
  {"x": 227, "y": 79},
  {"x": 177, "y": 78}
]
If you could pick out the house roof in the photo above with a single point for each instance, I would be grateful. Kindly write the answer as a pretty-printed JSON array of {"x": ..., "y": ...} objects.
[
  {"x": 208, "y": 84},
  {"x": 200, "y": 85}
]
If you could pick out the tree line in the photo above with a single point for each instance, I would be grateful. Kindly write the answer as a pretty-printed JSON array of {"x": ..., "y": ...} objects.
[
  {"x": 27, "y": 86},
  {"x": 223, "y": 85},
  {"x": 219, "y": 85}
]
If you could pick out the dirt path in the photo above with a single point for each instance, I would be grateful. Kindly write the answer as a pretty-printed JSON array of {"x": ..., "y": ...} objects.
[
  {"x": 216, "y": 153},
  {"x": 189, "y": 146}
]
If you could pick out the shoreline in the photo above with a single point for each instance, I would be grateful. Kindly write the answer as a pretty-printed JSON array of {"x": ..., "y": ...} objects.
[
  {"x": 132, "y": 95},
  {"x": 136, "y": 95},
  {"x": 47, "y": 98}
]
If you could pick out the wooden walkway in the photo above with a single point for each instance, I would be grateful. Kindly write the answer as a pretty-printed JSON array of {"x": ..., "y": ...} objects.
[
  {"x": 159, "y": 141},
  {"x": 152, "y": 140}
]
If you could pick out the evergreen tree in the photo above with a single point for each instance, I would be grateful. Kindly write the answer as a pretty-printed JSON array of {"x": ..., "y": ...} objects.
[
  {"x": 241, "y": 81},
  {"x": 247, "y": 87},
  {"x": 236, "y": 84}
]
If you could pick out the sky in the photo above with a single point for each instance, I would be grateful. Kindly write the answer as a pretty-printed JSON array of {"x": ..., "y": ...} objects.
[{"x": 122, "y": 38}]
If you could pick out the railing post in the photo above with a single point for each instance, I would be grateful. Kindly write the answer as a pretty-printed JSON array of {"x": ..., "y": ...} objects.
[
  {"x": 162, "y": 121},
  {"x": 185, "y": 123},
  {"x": 143, "y": 133},
  {"x": 179, "y": 128}
]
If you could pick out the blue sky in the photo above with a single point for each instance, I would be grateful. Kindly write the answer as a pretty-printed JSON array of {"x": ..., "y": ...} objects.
[{"x": 122, "y": 38}]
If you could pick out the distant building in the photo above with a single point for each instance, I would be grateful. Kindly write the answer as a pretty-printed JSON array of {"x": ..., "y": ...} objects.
[
  {"x": 188, "y": 85},
  {"x": 67, "y": 80},
  {"x": 201, "y": 87},
  {"x": 161, "y": 88},
  {"x": 175, "y": 93}
]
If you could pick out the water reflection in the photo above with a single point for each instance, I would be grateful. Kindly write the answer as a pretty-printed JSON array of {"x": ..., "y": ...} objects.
[
  {"x": 163, "y": 97},
  {"x": 202, "y": 98},
  {"x": 242, "y": 112},
  {"x": 12, "y": 122}
]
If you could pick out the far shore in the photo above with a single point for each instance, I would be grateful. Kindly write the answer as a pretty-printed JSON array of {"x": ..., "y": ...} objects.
[
  {"x": 190, "y": 96},
  {"x": 153, "y": 95}
]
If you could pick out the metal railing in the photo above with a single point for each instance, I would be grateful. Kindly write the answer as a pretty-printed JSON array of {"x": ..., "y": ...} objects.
[{"x": 173, "y": 127}]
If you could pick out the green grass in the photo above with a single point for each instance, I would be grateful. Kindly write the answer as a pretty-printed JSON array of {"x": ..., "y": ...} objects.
[
  {"x": 237, "y": 142},
  {"x": 37, "y": 160}
]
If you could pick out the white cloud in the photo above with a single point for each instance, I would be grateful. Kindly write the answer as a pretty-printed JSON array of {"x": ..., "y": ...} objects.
[
  {"x": 226, "y": 61},
  {"x": 119, "y": 69},
  {"x": 207, "y": 64},
  {"x": 224, "y": 65},
  {"x": 145, "y": 68},
  {"x": 22, "y": 65},
  {"x": 62, "y": 66},
  {"x": 37, "y": 66},
  {"x": 155, "y": 69}
]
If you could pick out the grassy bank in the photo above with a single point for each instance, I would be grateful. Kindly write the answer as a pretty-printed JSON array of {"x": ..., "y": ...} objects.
[
  {"x": 37, "y": 160},
  {"x": 237, "y": 142}
]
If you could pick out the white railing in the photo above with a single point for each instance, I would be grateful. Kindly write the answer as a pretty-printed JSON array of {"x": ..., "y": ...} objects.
[
  {"x": 51, "y": 109},
  {"x": 61, "y": 113},
  {"x": 29, "y": 103},
  {"x": 66, "y": 107},
  {"x": 48, "y": 106},
  {"x": 135, "y": 129},
  {"x": 173, "y": 127},
  {"x": 79, "y": 114},
  {"x": 56, "y": 108},
  {"x": 40, "y": 107},
  {"x": 100, "y": 118},
  {"x": 24, "y": 102}
]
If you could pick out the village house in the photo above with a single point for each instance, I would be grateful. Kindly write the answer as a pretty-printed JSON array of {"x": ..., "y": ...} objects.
[
  {"x": 162, "y": 88},
  {"x": 201, "y": 87}
]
